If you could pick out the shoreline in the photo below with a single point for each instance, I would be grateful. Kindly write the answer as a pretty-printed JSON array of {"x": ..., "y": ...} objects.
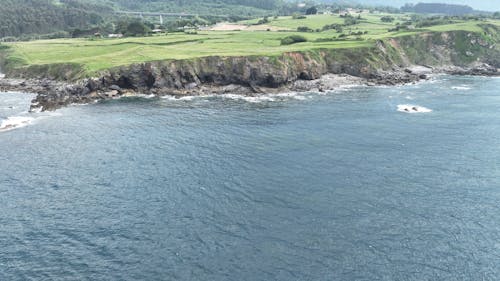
[
  {"x": 394, "y": 61},
  {"x": 52, "y": 95}
]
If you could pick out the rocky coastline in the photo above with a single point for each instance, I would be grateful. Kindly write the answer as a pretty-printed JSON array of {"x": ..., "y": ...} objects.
[
  {"x": 393, "y": 61},
  {"x": 52, "y": 94}
]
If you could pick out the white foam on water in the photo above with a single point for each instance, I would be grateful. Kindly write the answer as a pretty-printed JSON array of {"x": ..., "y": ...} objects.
[
  {"x": 271, "y": 97},
  {"x": 168, "y": 98},
  {"x": 461, "y": 88},
  {"x": 300, "y": 97},
  {"x": 177, "y": 98},
  {"x": 408, "y": 108},
  {"x": 15, "y": 122},
  {"x": 291, "y": 95},
  {"x": 145, "y": 96},
  {"x": 287, "y": 95},
  {"x": 258, "y": 99},
  {"x": 231, "y": 96},
  {"x": 36, "y": 110},
  {"x": 350, "y": 86},
  {"x": 250, "y": 99},
  {"x": 186, "y": 98}
]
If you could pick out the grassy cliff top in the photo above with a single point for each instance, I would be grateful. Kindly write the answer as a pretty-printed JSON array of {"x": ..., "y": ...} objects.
[{"x": 100, "y": 54}]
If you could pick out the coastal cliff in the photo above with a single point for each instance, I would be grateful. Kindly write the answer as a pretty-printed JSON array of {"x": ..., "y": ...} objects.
[{"x": 389, "y": 61}]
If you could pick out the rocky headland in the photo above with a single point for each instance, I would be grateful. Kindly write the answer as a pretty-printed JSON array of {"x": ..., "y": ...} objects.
[{"x": 389, "y": 62}]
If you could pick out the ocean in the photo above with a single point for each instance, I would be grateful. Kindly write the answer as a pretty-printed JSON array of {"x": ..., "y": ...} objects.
[{"x": 362, "y": 183}]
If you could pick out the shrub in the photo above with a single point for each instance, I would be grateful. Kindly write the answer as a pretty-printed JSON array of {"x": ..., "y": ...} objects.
[
  {"x": 304, "y": 29},
  {"x": 263, "y": 21},
  {"x": 292, "y": 39},
  {"x": 9, "y": 39},
  {"x": 350, "y": 21},
  {"x": 387, "y": 19},
  {"x": 296, "y": 16},
  {"x": 335, "y": 26}
]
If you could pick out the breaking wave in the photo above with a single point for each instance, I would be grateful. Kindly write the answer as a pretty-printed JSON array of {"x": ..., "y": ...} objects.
[
  {"x": 15, "y": 122},
  {"x": 407, "y": 108},
  {"x": 461, "y": 88}
]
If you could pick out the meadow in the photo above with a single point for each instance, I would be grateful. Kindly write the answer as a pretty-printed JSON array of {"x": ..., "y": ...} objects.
[{"x": 96, "y": 54}]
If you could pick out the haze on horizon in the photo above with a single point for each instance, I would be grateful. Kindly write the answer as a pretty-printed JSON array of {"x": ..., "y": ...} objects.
[{"x": 483, "y": 5}]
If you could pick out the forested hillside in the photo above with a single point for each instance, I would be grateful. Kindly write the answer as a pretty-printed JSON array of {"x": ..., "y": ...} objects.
[
  {"x": 19, "y": 17},
  {"x": 194, "y": 4},
  {"x": 27, "y": 17},
  {"x": 202, "y": 7}
]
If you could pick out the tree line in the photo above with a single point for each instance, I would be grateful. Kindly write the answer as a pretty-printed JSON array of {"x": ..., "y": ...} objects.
[
  {"x": 35, "y": 17},
  {"x": 18, "y": 17}
]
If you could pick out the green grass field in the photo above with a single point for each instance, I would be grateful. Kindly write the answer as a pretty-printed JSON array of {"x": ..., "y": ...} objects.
[
  {"x": 101, "y": 54},
  {"x": 314, "y": 22}
]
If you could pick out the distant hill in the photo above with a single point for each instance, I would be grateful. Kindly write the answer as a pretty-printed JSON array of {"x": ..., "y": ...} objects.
[
  {"x": 436, "y": 8},
  {"x": 483, "y": 5}
]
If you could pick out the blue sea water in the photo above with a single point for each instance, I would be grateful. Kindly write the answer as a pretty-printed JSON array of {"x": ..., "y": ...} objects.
[{"x": 335, "y": 186}]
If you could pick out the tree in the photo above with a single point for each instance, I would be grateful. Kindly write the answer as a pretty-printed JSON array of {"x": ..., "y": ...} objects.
[
  {"x": 137, "y": 28},
  {"x": 24, "y": 17},
  {"x": 108, "y": 27},
  {"x": 312, "y": 11},
  {"x": 387, "y": 19},
  {"x": 350, "y": 21},
  {"x": 263, "y": 21},
  {"x": 36, "y": 17}
]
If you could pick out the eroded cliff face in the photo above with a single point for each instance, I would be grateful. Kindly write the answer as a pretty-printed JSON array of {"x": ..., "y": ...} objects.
[
  {"x": 458, "y": 48},
  {"x": 273, "y": 72},
  {"x": 433, "y": 49},
  {"x": 386, "y": 62}
]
